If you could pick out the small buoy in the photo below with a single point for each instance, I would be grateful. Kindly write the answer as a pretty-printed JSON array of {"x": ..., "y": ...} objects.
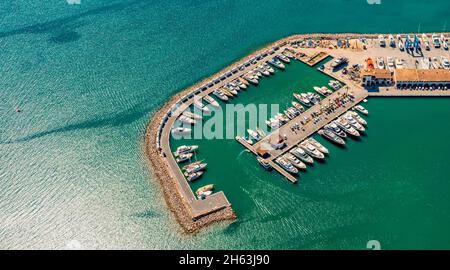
[{"x": 18, "y": 110}]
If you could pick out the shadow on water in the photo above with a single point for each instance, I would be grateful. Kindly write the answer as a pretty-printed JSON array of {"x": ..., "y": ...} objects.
[
  {"x": 146, "y": 214},
  {"x": 57, "y": 25},
  {"x": 68, "y": 36},
  {"x": 122, "y": 118}
]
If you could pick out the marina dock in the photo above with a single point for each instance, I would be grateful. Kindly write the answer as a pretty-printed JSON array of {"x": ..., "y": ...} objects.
[
  {"x": 217, "y": 201},
  {"x": 309, "y": 122},
  {"x": 293, "y": 138}
]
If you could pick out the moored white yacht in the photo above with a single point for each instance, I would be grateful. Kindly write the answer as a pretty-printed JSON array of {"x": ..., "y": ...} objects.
[
  {"x": 284, "y": 58},
  {"x": 298, "y": 106},
  {"x": 183, "y": 157},
  {"x": 303, "y": 99},
  {"x": 211, "y": 101},
  {"x": 353, "y": 122},
  {"x": 180, "y": 131},
  {"x": 330, "y": 135},
  {"x": 357, "y": 117},
  {"x": 336, "y": 130},
  {"x": 286, "y": 165},
  {"x": 302, "y": 155},
  {"x": 192, "y": 115},
  {"x": 254, "y": 134},
  {"x": 199, "y": 105},
  {"x": 318, "y": 145},
  {"x": 187, "y": 120},
  {"x": 220, "y": 95},
  {"x": 184, "y": 149},
  {"x": 274, "y": 61},
  {"x": 311, "y": 150},
  {"x": 361, "y": 109},
  {"x": 344, "y": 125},
  {"x": 294, "y": 161}
]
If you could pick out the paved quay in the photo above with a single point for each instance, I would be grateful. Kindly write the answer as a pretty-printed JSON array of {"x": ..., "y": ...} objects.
[{"x": 218, "y": 200}]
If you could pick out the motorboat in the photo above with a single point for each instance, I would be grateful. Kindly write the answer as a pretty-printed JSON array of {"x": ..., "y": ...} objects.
[
  {"x": 318, "y": 145},
  {"x": 336, "y": 130},
  {"x": 328, "y": 134},
  {"x": 286, "y": 165},
  {"x": 240, "y": 84},
  {"x": 231, "y": 89},
  {"x": 221, "y": 95},
  {"x": 294, "y": 161},
  {"x": 354, "y": 123},
  {"x": 303, "y": 99},
  {"x": 302, "y": 155},
  {"x": 401, "y": 47},
  {"x": 180, "y": 131},
  {"x": 264, "y": 71},
  {"x": 380, "y": 63},
  {"x": 311, "y": 150},
  {"x": 250, "y": 78},
  {"x": 184, "y": 157},
  {"x": 361, "y": 109},
  {"x": 284, "y": 58},
  {"x": 344, "y": 125},
  {"x": 256, "y": 73},
  {"x": 199, "y": 105},
  {"x": 187, "y": 120},
  {"x": 184, "y": 149},
  {"x": 211, "y": 101},
  {"x": 234, "y": 86},
  {"x": 358, "y": 118},
  {"x": 314, "y": 98},
  {"x": 298, "y": 106},
  {"x": 193, "y": 176},
  {"x": 324, "y": 91},
  {"x": 266, "y": 165},
  {"x": 226, "y": 92},
  {"x": 261, "y": 133},
  {"x": 269, "y": 68},
  {"x": 335, "y": 85},
  {"x": 196, "y": 168},
  {"x": 204, "y": 190},
  {"x": 192, "y": 115},
  {"x": 274, "y": 61},
  {"x": 253, "y": 134},
  {"x": 339, "y": 62}
]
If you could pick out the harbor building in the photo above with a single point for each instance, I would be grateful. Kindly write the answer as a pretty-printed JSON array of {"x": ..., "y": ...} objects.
[
  {"x": 427, "y": 78},
  {"x": 376, "y": 77}
]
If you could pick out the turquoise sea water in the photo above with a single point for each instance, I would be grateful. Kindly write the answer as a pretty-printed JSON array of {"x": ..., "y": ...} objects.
[{"x": 88, "y": 77}]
